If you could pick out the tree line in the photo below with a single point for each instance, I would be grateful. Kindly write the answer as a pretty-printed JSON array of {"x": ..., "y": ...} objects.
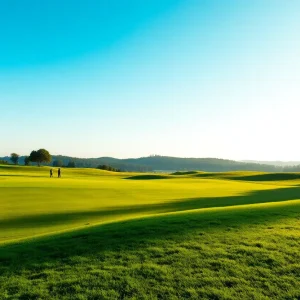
[
  {"x": 108, "y": 168},
  {"x": 153, "y": 163},
  {"x": 43, "y": 156},
  {"x": 39, "y": 157},
  {"x": 36, "y": 156},
  {"x": 60, "y": 163}
]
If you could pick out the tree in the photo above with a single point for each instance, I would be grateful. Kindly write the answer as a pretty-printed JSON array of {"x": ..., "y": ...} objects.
[
  {"x": 71, "y": 164},
  {"x": 14, "y": 157},
  {"x": 108, "y": 168},
  {"x": 26, "y": 161},
  {"x": 58, "y": 163},
  {"x": 40, "y": 156},
  {"x": 33, "y": 156}
]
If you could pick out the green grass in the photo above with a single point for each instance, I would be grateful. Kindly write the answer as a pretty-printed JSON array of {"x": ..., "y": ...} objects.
[{"x": 95, "y": 235}]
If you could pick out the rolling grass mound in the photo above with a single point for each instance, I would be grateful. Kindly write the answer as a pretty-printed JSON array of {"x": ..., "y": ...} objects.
[
  {"x": 210, "y": 175},
  {"x": 148, "y": 177},
  {"x": 269, "y": 177},
  {"x": 43, "y": 171},
  {"x": 249, "y": 176},
  {"x": 185, "y": 173}
]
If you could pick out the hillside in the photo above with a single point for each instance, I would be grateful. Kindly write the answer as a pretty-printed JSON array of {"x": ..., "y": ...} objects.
[
  {"x": 170, "y": 164},
  {"x": 274, "y": 163}
]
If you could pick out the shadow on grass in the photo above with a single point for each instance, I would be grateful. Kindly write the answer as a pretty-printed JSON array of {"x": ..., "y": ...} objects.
[
  {"x": 268, "y": 177},
  {"x": 185, "y": 173},
  {"x": 210, "y": 175},
  {"x": 112, "y": 213},
  {"x": 38, "y": 254},
  {"x": 261, "y": 196},
  {"x": 254, "y": 177},
  {"x": 148, "y": 177}
]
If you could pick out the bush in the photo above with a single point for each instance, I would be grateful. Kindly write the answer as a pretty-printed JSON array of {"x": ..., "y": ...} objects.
[{"x": 108, "y": 168}]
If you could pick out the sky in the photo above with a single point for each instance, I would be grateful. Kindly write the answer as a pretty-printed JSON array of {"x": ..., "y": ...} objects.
[{"x": 131, "y": 78}]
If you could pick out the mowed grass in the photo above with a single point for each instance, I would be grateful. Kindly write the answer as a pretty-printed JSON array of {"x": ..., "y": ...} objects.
[
  {"x": 32, "y": 204},
  {"x": 132, "y": 236}
]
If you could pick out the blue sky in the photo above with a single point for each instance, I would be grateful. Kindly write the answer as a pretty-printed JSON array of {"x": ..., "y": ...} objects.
[{"x": 132, "y": 78}]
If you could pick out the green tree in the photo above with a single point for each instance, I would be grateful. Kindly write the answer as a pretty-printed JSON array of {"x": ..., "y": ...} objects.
[
  {"x": 108, "y": 168},
  {"x": 26, "y": 161},
  {"x": 3, "y": 162},
  {"x": 33, "y": 156},
  {"x": 40, "y": 156},
  {"x": 14, "y": 157},
  {"x": 58, "y": 163},
  {"x": 71, "y": 164}
]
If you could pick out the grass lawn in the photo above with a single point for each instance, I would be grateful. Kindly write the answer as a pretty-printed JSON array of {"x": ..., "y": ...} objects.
[{"x": 99, "y": 235}]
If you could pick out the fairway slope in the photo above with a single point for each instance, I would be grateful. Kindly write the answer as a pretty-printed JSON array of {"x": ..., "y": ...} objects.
[
  {"x": 41, "y": 223},
  {"x": 224, "y": 253},
  {"x": 33, "y": 204},
  {"x": 43, "y": 171},
  {"x": 86, "y": 218}
]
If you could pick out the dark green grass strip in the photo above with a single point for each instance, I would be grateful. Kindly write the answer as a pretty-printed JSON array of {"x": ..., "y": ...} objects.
[
  {"x": 185, "y": 173},
  {"x": 148, "y": 177},
  {"x": 253, "y": 177}
]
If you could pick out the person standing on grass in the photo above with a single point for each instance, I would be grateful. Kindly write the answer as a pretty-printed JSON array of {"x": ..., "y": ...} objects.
[
  {"x": 58, "y": 173},
  {"x": 51, "y": 173}
]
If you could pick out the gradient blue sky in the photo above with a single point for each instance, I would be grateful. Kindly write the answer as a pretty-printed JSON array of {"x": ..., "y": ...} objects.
[{"x": 132, "y": 78}]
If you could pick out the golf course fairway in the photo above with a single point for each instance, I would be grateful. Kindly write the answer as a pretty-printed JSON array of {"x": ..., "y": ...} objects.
[{"x": 95, "y": 234}]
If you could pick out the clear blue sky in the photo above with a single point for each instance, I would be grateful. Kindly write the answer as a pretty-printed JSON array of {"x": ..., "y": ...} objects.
[{"x": 190, "y": 78}]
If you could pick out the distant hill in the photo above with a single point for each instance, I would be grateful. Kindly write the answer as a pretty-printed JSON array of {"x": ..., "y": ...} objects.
[
  {"x": 168, "y": 163},
  {"x": 274, "y": 163},
  {"x": 206, "y": 164}
]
